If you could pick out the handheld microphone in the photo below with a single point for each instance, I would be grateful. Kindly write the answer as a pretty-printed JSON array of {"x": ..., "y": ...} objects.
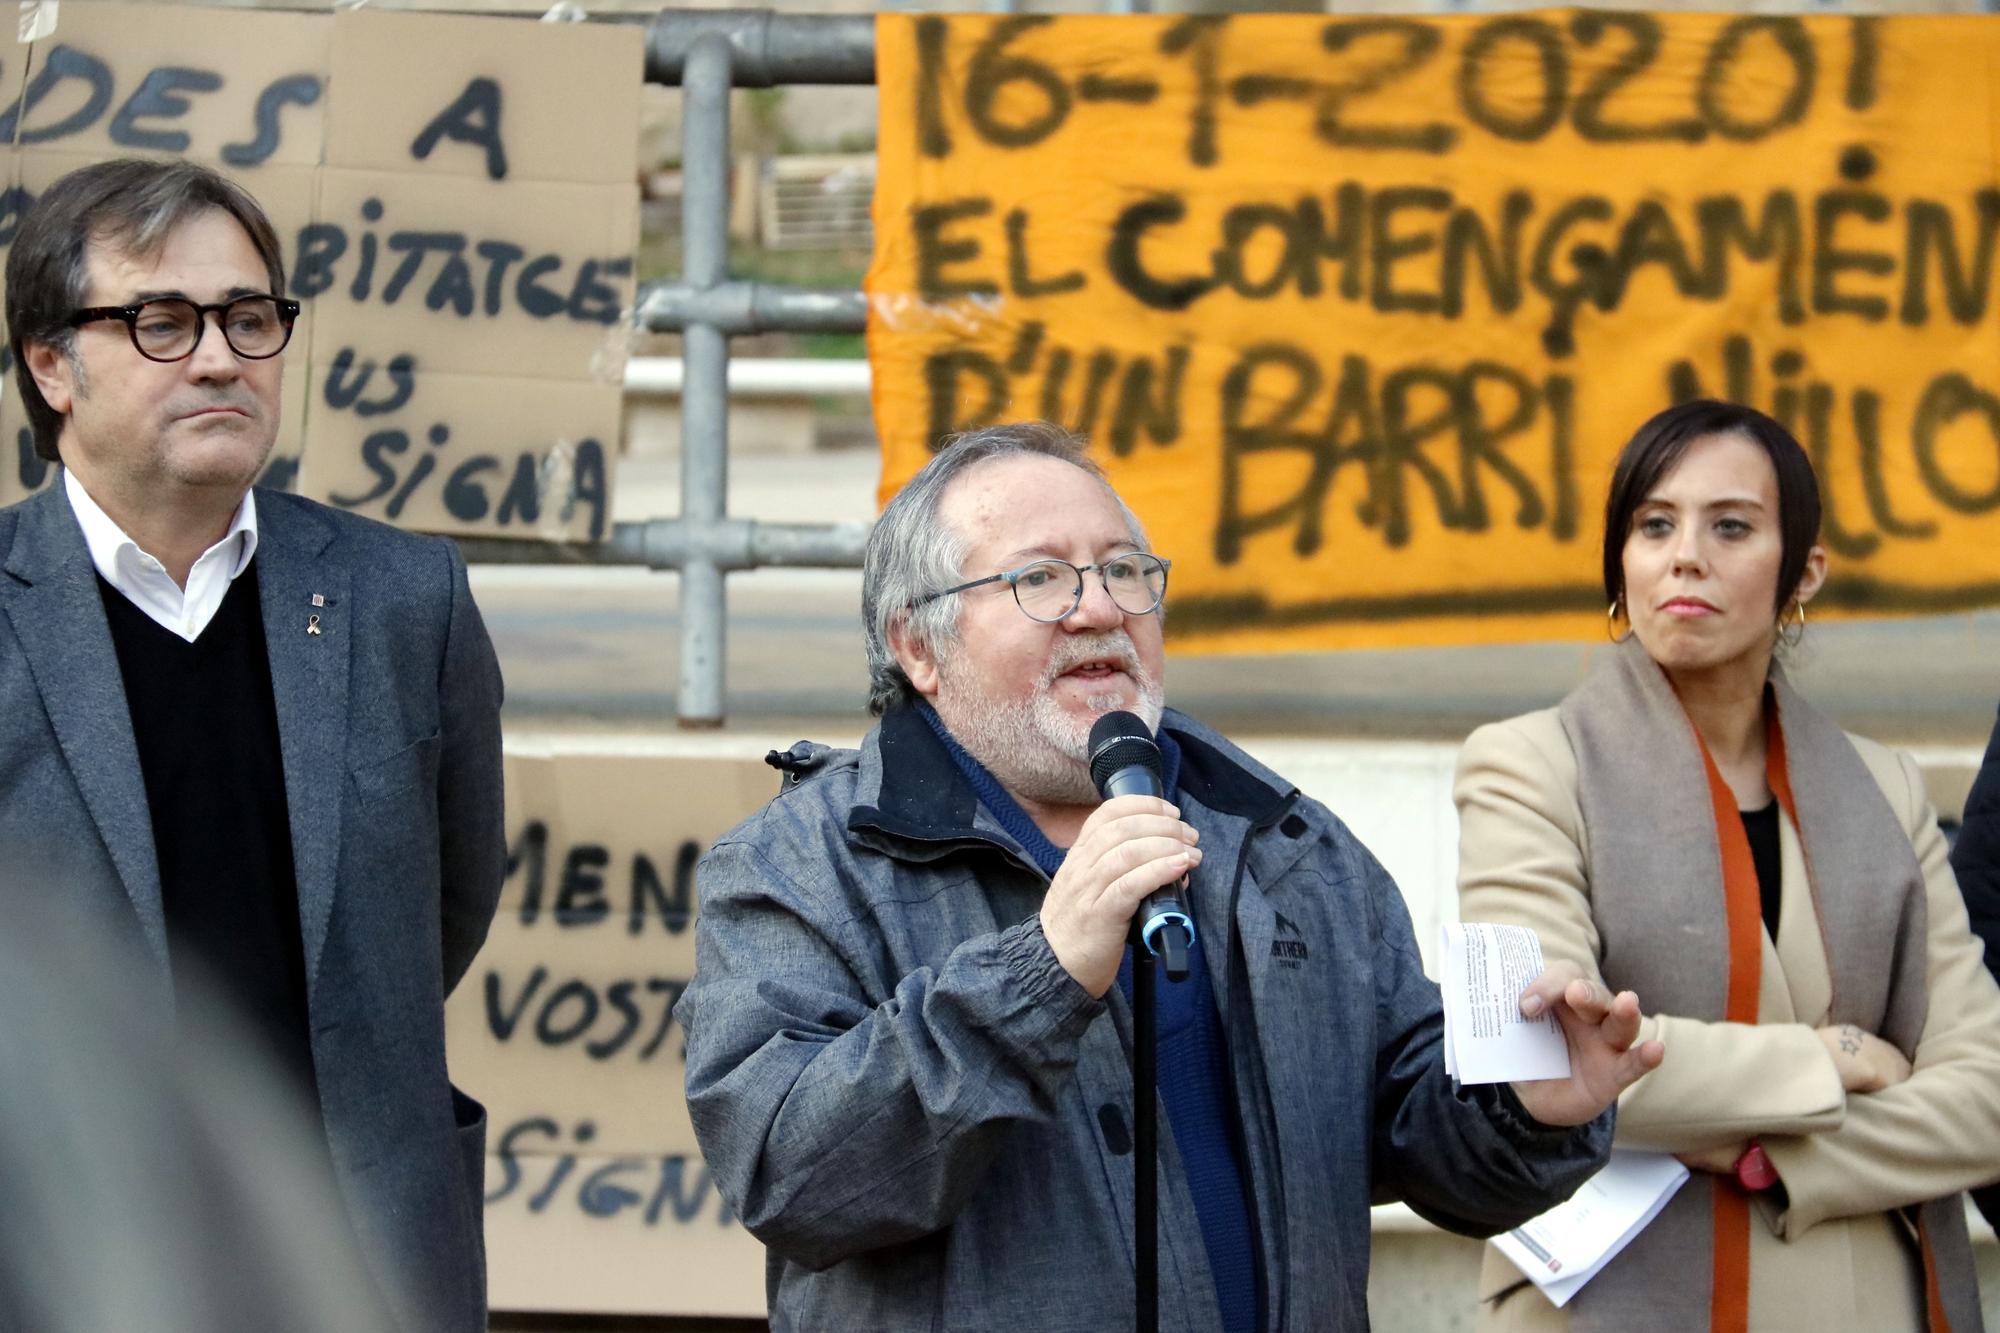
[{"x": 1125, "y": 761}]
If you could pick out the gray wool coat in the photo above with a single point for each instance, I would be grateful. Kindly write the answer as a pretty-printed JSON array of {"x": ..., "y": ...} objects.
[
  {"x": 926, "y": 1120},
  {"x": 390, "y": 734}
]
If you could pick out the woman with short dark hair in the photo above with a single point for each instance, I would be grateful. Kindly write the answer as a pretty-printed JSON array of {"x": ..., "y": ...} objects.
[{"x": 1687, "y": 826}]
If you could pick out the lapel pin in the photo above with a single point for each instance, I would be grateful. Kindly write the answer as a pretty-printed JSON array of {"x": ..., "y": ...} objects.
[
  {"x": 319, "y": 600},
  {"x": 312, "y": 625}
]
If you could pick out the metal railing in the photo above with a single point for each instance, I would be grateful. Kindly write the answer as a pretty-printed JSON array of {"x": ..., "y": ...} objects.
[
  {"x": 755, "y": 377},
  {"x": 705, "y": 54}
]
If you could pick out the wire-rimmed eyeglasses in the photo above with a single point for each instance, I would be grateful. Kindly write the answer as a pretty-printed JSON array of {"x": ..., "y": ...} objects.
[
  {"x": 1049, "y": 590},
  {"x": 169, "y": 328}
]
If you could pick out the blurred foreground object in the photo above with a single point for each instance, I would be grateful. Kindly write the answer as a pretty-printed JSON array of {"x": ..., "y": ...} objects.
[{"x": 153, "y": 1174}]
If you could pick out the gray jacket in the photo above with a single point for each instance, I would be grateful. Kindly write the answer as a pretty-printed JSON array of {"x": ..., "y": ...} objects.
[
  {"x": 389, "y": 723},
  {"x": 927, "y": 1121}
]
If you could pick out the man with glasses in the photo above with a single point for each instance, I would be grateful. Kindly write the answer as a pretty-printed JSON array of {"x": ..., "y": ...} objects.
[
  {"x": 256, "y": 737},
  {"x": 908, "y": 1026}
]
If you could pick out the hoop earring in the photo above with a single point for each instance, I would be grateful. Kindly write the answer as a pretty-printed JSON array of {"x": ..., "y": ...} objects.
[
  {"x": 1612, "y": 614},
  {"x": 1791, "y": 634}
]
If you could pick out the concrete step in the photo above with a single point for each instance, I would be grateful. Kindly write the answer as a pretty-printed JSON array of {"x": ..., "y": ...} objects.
[
  {"x": 1394, "y": 795},
  {"x": 600, "y": 648}
]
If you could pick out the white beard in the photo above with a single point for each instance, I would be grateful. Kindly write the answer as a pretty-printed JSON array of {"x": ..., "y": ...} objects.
[{"x": 1037, "y": 750}]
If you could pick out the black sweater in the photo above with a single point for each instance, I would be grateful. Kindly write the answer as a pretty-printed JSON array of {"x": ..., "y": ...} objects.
[{"x": 206, "y": 726}]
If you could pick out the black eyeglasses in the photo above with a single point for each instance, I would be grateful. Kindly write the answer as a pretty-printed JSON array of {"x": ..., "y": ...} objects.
[
  {"x": 169, "y": 329},
  {"x": 1050, "y": 590}
]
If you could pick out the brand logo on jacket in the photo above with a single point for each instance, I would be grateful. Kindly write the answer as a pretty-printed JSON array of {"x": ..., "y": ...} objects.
[{"x": 1289, "y": 952}]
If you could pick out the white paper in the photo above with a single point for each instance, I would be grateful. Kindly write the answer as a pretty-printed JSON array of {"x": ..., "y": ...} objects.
[
  {"x": 1573, "y": 1241},
  {"x": 38, "y": 20},
  {"x": 1486, "y": 1040}
]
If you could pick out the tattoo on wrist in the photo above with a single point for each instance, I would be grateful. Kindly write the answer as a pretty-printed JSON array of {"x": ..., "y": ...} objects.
[{"x": 1850, "y": 1038}]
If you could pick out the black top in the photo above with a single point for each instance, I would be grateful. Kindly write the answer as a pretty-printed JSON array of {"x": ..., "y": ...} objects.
[
  {"x": 1762, "y": 828},
  {"x": 206, "y": 726}
]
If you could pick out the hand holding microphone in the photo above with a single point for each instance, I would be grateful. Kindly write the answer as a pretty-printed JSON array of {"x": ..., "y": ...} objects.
[
  {"x": 1125, "y": 760},
  {"x": 1131, "y": 846}
]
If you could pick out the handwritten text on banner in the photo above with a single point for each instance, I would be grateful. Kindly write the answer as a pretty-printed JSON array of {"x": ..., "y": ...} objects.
[
  {"x": 456, "y": 203},
  {"x": 564, "y": 1028},
  {"x": 1357, "y": 311}
]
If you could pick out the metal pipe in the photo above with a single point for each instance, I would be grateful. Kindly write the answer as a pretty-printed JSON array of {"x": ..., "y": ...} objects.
[
  {"x": 672, "y": 543},
  {"x": 705, "y": 395},
  {"x": 707, "y": 53},
  {"x": 751, "y": 307},
  {"x": 809, "y": 545},
  {"x": 626, "y": 546},
  {"x": 765, "y": 48},
  {"x": 756, "y": 377},
  {"x": 738, "y": 543}
]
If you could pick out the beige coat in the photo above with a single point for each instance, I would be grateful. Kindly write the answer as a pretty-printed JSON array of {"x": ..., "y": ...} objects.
[{"x": 1833, "y": 1259}]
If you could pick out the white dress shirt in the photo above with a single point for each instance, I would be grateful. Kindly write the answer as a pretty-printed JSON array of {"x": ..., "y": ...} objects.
[{"x": 144, "y": 581}]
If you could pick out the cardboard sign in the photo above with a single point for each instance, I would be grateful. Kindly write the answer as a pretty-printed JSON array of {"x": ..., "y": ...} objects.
[
  {"x": 596, "y": 1196},
  {"x": 457, "y": 202},
  {"x": 570, "y": 1231},
  {"x": 1357, "y": 312}
]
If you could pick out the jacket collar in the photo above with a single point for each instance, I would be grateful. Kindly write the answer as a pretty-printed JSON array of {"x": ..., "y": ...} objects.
[
  {"x": 304, "y": 581},
  {"x": 910, "y": 789},
  {"x": 47, "y": 538},
  {"x": 1223, "y": 778},
  {"x": 58, "y": 620}
]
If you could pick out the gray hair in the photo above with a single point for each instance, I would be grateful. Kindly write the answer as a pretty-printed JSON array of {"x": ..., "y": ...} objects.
[
  {"x": 912, "y": 552},
  {"x": 133, "y": 203}
]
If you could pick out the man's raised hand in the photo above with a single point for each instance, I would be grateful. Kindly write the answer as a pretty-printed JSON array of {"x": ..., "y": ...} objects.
[{"x": 1601, "y": 1030}]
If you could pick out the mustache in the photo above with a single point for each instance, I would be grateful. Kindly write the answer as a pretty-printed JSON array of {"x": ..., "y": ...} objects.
[{"x": 1114, "y": 647}]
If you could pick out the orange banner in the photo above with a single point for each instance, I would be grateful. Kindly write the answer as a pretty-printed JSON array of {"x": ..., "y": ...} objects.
[{"x": 1358, "y": 311}]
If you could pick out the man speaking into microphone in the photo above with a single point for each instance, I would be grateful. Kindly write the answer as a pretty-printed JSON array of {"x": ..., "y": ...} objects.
[{"x": 909, "y": 1030}]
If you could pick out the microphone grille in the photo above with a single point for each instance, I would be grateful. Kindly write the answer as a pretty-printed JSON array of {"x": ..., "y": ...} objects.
[{"x": 1118, "y": 741}]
